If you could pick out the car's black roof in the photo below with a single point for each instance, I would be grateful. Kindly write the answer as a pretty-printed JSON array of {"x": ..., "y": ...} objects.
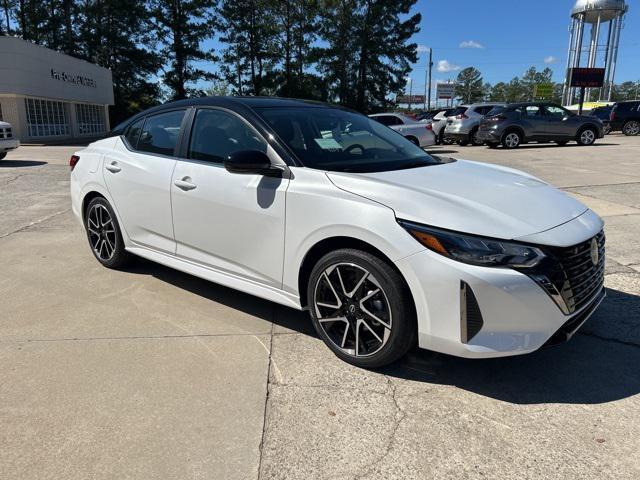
[{"x": 234, "y": 103}]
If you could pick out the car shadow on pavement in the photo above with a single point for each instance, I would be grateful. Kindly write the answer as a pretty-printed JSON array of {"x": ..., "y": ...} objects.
[
  {"x": 20, "y": 163},
  {"x": 569, "y": 145},
  {"x": 598, "y": 365}
]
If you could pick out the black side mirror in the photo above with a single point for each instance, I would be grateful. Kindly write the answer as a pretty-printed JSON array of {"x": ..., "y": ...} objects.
[{"x": 249, "y": 162}]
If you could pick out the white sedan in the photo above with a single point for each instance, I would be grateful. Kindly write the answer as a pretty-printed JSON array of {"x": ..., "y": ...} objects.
[
  {"x": 419, "y": 133},
  {"x": 323, "y": 209}
]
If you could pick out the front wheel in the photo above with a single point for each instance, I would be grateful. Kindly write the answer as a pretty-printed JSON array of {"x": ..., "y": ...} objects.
[
  {"x": 587, "y": 137},
  {"x": 104, "y": 235},
  {"x": 475, "y": 140},
  {"x": 631, "y": 128},
  {"x": 361, "y": 308}
]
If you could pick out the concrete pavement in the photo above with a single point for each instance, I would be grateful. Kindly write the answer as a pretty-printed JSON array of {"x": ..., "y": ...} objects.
[{"x": 151, "y": 373}]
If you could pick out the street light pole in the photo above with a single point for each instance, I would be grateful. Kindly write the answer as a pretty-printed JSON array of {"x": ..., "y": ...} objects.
[{"x": 429, "y": 77}]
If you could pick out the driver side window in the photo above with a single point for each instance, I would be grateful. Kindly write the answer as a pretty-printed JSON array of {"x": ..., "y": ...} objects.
[
  {"x": 217, "y": 134},
  {"x": 555, "y": 112}
]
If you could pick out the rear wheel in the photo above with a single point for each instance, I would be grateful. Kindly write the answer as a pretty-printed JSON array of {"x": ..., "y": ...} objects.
[
  {"x": 512, "y": 139},
  {"x": 361, "y": 308},
  {"x": 104, "y": 235},
  {"x": 475, "y": 140},
  {"x": 587, "y": 137},
  {"x": 631, "y": 128}
]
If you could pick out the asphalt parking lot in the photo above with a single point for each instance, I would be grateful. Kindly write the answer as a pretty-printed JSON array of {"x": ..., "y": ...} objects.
[{"x": 150, "y": 373}]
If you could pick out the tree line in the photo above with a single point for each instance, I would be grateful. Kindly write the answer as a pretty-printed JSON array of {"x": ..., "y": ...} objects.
[
  {"x": 471, "y": 87},
  {"x": 353, "y": 52}
]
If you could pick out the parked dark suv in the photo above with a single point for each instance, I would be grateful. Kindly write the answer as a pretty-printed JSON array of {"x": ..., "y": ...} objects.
[
  {"x": 519, "y": 123},
  {"x": 625, "y": 117}
]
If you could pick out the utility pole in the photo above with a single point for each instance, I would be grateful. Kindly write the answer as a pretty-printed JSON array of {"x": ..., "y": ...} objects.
[
  {"x": 427, "y": 85},
  {"x": 410, "y": 92}
]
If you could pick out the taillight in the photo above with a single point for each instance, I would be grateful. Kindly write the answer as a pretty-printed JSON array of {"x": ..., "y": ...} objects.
[
  {"x": 495, "y": 118},
  {"x": 462, "y": 116},
  {"x": 429, "y": 126},
  {"x": 73, "y": 161}
]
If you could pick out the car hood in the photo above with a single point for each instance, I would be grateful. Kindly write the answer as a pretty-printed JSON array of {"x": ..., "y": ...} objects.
[
  {"x": 5, "y": 125},
  {"x": 467, "y": 197}
]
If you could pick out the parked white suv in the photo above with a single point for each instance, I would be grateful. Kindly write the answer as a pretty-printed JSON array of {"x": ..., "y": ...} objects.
[
  {"x": 463, "y": 123},
  {"x": 419, "y": 133},
  {"x": 323, "y": 209},
  {"x": 7, "y": 140}
]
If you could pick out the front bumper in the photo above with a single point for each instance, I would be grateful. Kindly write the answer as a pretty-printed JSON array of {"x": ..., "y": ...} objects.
[
  {"x": 517, "y": 315},
  {"x": 7, "y": 145}
]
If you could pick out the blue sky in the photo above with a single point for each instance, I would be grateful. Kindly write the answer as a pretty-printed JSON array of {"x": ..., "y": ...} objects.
[
  {"x": 509, "y": 36},
  {"x": 503, "y": 38}
]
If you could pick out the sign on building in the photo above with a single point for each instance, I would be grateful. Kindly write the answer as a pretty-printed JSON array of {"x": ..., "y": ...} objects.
[{"x": 445, "y": 91}]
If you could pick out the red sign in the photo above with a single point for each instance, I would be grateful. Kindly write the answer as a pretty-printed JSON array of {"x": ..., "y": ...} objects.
[{"x": 587, "y": 77}]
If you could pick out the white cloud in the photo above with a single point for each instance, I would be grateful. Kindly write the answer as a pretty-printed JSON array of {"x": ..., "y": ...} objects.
[
  {"x": 423, "y": 49},
  {"x": 550, "y": 59},
  {"x": 471, "y": 44},
  {"x": 444, "y": 66}
]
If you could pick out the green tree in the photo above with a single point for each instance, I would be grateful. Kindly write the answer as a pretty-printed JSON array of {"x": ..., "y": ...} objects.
[
  {"x": 180, "y": 27},
  {"x": 133, "y": 66},
  {"x": 249, "y": 29},
  {"x": 469, "y": 85},
  {"x": 626, "y": 91},
  {"x": 367, "y": 52}
]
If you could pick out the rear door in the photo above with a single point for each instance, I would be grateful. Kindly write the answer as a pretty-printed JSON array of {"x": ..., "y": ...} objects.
[
  {"x": 138, "y": 176},
  {"x": 534, "y": 121}
]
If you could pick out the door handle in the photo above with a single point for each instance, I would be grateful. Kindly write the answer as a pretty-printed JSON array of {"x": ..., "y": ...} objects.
[
  {"x": 113, "y": 167},
  {"x": 185, "y": 184}
]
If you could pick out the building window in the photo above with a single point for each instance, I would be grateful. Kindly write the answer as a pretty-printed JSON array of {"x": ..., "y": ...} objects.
[
  {"x": 46, "y": 118},
  {"x": 90, "y": 119}
]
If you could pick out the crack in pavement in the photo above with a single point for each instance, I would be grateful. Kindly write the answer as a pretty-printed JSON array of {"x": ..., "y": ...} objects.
[
  {"x": 37, "y": 222},
  {"x": 266, "y": 397}
]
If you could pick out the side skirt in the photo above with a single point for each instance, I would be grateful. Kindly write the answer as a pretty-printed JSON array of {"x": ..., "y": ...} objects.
[{"x": 222, "y": 278}]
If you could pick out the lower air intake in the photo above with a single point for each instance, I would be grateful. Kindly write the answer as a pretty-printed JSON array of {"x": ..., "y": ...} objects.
[{"x": 470, "y": 316}]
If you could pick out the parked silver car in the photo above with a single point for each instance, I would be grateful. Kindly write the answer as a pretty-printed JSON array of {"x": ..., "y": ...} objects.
[
  {"x": 464, "y": 122},
  {"x": 419, "y": 133}
]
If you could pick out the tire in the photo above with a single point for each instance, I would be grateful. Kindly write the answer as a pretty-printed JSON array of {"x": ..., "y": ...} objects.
[
  {"x": 367, "y": 296},
  {"x": 607, "y": 129},
  {"x": 2, "y": 155},
  {"x": 587, "y": 136},
  {"x": 492, "y": 144},
  {"x": 106, "y": 243},
  {"x": 413, "y": 140},
  {"x": 475, "y": 141},
  {"x": 512, "y": 139},
  {"x": 562, "y": 143},
  {"x": 631, "y": 128}
]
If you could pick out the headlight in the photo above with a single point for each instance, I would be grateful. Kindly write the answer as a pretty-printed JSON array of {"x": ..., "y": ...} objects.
[{"x": 486, "y": 252}]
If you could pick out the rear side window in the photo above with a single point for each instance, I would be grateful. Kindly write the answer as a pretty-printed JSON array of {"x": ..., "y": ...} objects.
[
  {"x": 160, "y": 133},
  {"x": 457, "y": 111},
  {"x": 133, "y": 133},
  {"x": 496, "y": 111},
  {"x": 483, "y": 110}
]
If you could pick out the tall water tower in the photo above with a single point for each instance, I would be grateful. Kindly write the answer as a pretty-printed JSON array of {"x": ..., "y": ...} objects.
[{"x": 593, "y": 53}]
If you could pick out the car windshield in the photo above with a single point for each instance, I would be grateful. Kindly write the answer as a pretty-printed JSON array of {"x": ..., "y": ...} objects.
[{"x": 338, "y": 140}]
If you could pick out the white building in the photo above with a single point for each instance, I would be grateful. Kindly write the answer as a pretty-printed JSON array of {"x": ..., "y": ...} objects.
[{"x": 48, "y": 96}]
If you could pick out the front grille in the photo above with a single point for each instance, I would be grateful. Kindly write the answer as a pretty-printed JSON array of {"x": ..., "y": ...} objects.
[
  {"x": 570, "y": 275},
  {"x": 584, "y": 278}
]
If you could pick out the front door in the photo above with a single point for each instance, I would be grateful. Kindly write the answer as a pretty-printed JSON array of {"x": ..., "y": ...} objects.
[
  {"x": 560, "y": 123},
  {"x": 231, "y": 222},
  {"x": 138, "y": 176}
]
